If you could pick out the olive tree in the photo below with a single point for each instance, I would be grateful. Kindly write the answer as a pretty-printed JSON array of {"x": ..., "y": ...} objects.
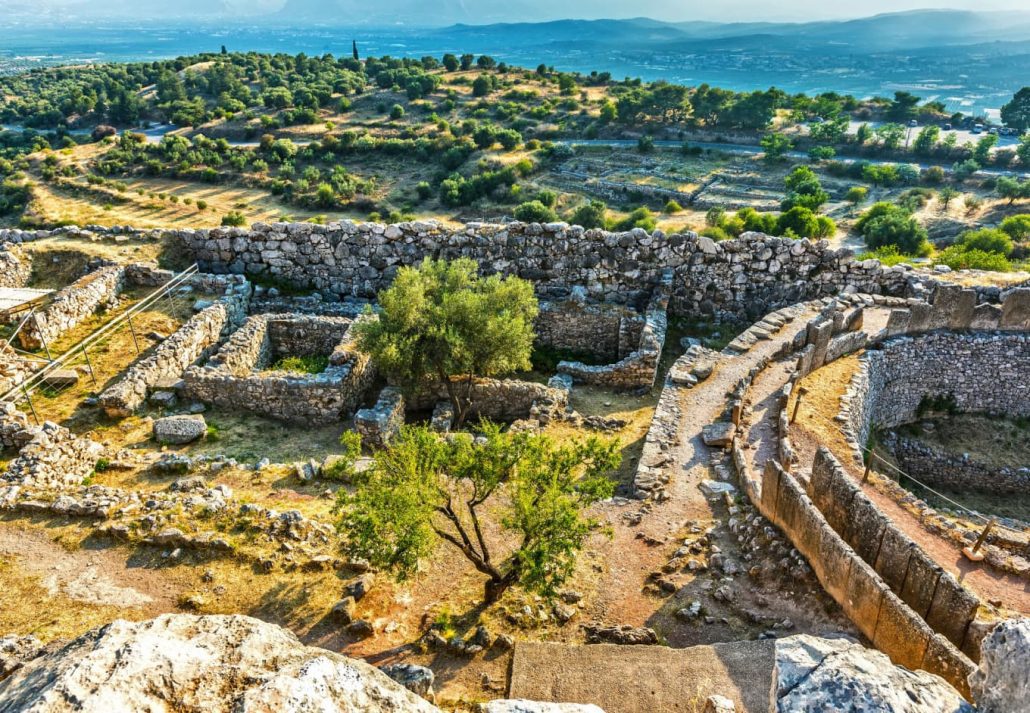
[
  {"x": 442, "y": 322},
  {"x": 517, "y": 495}
]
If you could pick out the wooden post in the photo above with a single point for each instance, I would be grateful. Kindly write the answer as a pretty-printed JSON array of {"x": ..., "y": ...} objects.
[
  {"x": 797, "y": 404},
  {"x": 133, "y": 331},
  {"x": 973, "y": 553},
  {"x": 89, "y": 366},
  {"x": 868, "y": 467},
  {"x": 35, "y": 416},
  {"x": 39, "y": 330}
]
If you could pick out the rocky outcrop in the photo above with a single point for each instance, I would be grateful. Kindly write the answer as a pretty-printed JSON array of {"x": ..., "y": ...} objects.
[
  {"x": 1002, "y": 683},
  {"x": 520, "y": 706},
  {"x": 815, "y": 675},
  {"x": 194, "y": 664}
]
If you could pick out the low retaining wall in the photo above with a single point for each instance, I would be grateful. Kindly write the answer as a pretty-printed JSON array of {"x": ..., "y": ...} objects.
[
  {"x": 233, "y": 378},
  {"x": 49, "y": 456},
  {"x": 72, "y": 305},
  {"x": 189, "y": 343},
  {"x": 605, "y": 331},
  {"x": 868, "y": 600}
]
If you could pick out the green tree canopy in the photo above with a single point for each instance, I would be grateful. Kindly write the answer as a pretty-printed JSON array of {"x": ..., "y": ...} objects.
[
  {"x": 442, "y": 322},
  {"x": 889, "y": 224},
  {"x": 1017, "y": 112},
  {"x": 423, "y": 489}
]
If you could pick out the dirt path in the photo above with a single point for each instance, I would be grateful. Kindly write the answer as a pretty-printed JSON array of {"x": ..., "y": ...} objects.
[
  {"x": 635, "y": 552},
  {"x": 101, "y": 577}
]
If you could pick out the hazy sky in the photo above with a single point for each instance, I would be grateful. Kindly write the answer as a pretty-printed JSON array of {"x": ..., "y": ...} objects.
[
  {"x": 724, "y": 10},
  {"x": 482, "y": 11}
]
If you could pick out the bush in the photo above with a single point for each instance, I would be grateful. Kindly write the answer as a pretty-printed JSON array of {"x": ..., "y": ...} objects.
[
  {"x": 341, "y": 468},
  {"x": 672, "y": 207},
  {"x": 639, "y": 218},
  {"x": 886, "y": 224},
  {"x": 591, "y": 215},
  {"x": 856, "y": 195},
  {"x": 234, "y": 219},
  {"x": 988, "y": 240},
  {"x": 958, "y": 257},
  {"x": 424, "y": 190},
  {"x": 397, "y": 112},
  {"x": 534, "y": 212},
  {"x": 1017, "y": 227}
]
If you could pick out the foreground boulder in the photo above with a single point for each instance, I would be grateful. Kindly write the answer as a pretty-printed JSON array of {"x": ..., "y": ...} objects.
[
  {"x": 194, "y": 664},
  {"x": 520, "y": 706},
  {"x": 1002, "y": 683},
  {"x": 815, "y": 675}
]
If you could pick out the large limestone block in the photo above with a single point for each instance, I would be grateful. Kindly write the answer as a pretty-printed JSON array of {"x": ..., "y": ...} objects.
[
  {"x": 817, "y": 675},
  {"x": 178, "y": 430},
  {"x": 1002, "y": 683},
  {"x": 216, "y": 664}
]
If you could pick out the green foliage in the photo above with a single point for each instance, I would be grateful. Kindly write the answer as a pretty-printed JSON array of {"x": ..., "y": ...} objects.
[
  {"x": 443, "y": 322},
  {"x": 641, "y": 217},
  {"x": 964, "y": 170},
  {"x": 590, "y": 215},
  {"x": 889, "y": 255},
  {"x": 102, "y": 465},
  {"x": 672, "y": 207},
  {"x": 775, "y": 146},
  {"x": 990, "y": 240},
  {"x": 856, "y": 195},
  {"x": 423, "y": 489},
  {"x": 1011, "y": 188},
  {"x": 309, "y": 364},
  {"x": 234, "y": 219},
  {"x": 1017, "y": 227},
  {"x": 801, "y": 222},
  {"x": 341, "y": 467},
  {"x": 1016, "y": 113},
  {"x": 534, "y": 212},
  {"x": 887, "y": 224},
  {"x": 396, "y": 112},
  {"x": 803, "y": 189},
  {"x": 958, "y": 257}
]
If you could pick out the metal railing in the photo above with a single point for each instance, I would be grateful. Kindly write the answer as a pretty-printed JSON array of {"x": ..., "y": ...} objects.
[{"x": 80, "y": 349}]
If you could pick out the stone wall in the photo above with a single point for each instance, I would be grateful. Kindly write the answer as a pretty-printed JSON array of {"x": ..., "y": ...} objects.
[
  {"x": 867, "y": 599},
  {"x": 940, "y": 468},
  {"x": 190, "y": 342},
  {"x": 72, "y": 305},
  {"x": 605, "y": 331},
  {"x": 749, "y": 275},
  {"x": 15, "y": 266},
  {"x": 233, "y": 377},
  {"x": 639, "y": 369},
  {"x": 984, "y": 372},
  {"x": 49, "y": 456}
]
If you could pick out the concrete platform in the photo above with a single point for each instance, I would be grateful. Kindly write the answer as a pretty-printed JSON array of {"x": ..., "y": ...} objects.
[{"x": 645, "y": 679}]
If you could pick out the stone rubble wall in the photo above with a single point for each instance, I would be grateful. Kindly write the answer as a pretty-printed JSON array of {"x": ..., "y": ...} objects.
[
  {"x": 380, "y": 423},
  {"x": 15, "y": 266},
  {"x": 233, "y": 379},
  {"x": 748, "y": 275},
  {"x": 49, "y": 456},
  {"x": 72, "y": 305},
  {"x": 190, "y": 342},
  {"x": 639, "y": 369}
]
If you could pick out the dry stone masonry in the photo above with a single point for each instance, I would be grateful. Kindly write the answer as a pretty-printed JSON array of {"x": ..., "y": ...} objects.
[
  {"x": 237, "y": 376},
  {"x": 73, "y": 304}
]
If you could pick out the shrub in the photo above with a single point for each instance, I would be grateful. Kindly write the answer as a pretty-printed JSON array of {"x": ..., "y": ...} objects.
[
  {"x": 234, "y": 219},
  {"x": 672, "y": 207},
  {"x": 311, "y": 364},
  {"x": 856, "y": 195},
  {"x": 958, "y": 257},
  {"x": 534, "y": 212},
  {"x": 397, "y": 112},
  {"x": 887, "y": 224},
  {"x": 341, "y": 468},
  {"x": 591, "y": 215},
  {"x": 1017, "y": 227},
  {"x": 989, "y": 240}
]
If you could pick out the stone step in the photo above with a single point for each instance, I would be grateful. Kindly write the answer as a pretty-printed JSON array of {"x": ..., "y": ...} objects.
[{"x": 645, "y": 679}]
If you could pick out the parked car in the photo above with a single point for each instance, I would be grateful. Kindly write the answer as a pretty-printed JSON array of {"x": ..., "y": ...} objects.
[
  {"x": 947, "y": 127},
  {"x": 978, "y": 128}
]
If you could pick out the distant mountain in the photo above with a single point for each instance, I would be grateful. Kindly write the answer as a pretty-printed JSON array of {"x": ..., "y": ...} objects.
[{"x": 894, "y": 31}]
